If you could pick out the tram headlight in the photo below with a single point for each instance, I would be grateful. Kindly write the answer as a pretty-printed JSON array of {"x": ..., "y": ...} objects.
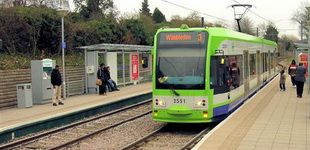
[
  {"x": 200, "y": 103},
  {"x": 160, "y": 103}
]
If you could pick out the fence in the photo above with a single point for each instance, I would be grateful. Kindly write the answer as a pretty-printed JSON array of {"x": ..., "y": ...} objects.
[{"x": 75, "y": 79}]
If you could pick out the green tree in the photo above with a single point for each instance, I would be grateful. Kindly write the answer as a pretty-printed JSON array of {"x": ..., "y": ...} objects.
[
  {"x": 14, "y": 31},
  {"x": 139, "y": 29},
  {"x": 145, "y": 8},
  {"x": 93, "y": 8},
  {"x": 192, "y": 20},
  {"x": 158, "y": 16},
  {"x": 271, "y": 33}
]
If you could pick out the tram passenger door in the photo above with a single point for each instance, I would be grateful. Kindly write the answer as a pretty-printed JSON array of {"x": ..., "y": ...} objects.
[
  {"x": 219, "y": 75},
  {"x": 246, "y": 73},
  {"x": 269, "y": 64},
  {"x": 258, "y": 67}
]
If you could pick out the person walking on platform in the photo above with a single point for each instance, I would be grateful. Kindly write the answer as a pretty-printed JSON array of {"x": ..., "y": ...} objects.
[
  {"x": 292, "y": 72},
  {"x": 300, "y": 79},
  {"x": 282, "y": 80},
  {"x": 56, "y": 82},
  {"x": 102, "y": 75},
  {"x": 111, "y": 83}
]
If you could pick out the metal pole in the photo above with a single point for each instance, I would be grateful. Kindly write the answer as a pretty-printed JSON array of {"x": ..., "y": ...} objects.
[
  {"x": 63, "y": 57},
  {"x": 123, "y": 57},
  {"x": 301, "y": 32},
  {"x": 86, "y": 64},
  {"x": 238, "y": 22},
  {"x": 308, "y": 8},
  {"x": 308, "y": 67}
]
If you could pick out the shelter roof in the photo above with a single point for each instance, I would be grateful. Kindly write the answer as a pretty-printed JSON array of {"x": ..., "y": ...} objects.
[{"x": 116, "y": 47}]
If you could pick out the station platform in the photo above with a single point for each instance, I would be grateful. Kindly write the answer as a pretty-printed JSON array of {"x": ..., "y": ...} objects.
[
  {"x": 270, "y": 120},
  {"x": 16, "y": 117}
]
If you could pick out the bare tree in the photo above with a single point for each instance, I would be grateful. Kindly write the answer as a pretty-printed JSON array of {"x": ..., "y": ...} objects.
[
  {"x": 56, "y": 4},
  {"x": 300, "y": 16},
  {"x": 246, "y": 26}
]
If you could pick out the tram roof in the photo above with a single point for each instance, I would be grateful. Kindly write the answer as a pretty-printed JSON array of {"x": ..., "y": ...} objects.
[{"x": 116, "y": 47}]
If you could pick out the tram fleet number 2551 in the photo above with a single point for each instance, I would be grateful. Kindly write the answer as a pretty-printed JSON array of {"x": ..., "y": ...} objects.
[{"x": 179, "y": 100}]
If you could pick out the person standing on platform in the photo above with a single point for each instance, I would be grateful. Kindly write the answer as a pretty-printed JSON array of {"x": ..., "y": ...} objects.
[
  {"x": 111, "y": 83},
  {"x": 56, "y": 82},
  {"x": 300, "y": 79},
  {"x": 282, "y": 80},
  {"x": 101, "y": 75},
  {"x": 292, "y": 72}
]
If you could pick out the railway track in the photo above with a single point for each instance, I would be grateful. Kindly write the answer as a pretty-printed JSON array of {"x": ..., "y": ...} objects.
[
  {"x": 76, "y": 132},
  {"x": 172, "y": 136}
]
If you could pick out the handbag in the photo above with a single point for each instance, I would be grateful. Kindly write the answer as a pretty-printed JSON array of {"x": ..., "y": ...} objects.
[{"x": 98, "y": 82}]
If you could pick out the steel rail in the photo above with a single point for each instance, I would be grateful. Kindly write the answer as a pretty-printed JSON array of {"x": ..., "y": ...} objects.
[
  {"x": 195, "y": 139},
  {"x": 35, "y": 137},
  {"x": 96, "y": 132},
  {"x": 141, "y": 139}
]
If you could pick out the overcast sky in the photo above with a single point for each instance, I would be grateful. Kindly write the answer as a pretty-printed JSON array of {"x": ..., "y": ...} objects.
[{"x": 278, "y": 11}]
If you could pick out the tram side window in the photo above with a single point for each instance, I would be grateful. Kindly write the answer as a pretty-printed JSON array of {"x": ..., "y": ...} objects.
[
  {"x": 252, "y": 66},
  {"x": 264, "y": 62},
  {"x": 219, "y": 75},
  {"x": 236, "y": 71}
]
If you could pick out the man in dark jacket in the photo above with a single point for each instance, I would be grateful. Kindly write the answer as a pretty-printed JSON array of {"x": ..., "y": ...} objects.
[
  {"x": 102, "y": 75},
  {"x": 300, "y": 79},
  {"x": 56, "y": 82}
]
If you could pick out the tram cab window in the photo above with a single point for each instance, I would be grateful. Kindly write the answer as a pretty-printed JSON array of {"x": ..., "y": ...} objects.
[{"x": 219, "y": 74}]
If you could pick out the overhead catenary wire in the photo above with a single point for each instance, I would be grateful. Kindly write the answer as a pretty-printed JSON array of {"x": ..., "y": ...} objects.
[
  {"x": 256, "y": 14},
  {"x": 194, "y": 10}
]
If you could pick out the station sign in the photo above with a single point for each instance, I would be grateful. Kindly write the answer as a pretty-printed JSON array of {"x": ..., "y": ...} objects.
[
  {"x": 47, "y": 63},
  {"x": 303, "y": 58},
  {"x": 63, "y": 45},
  {"x": 134, "y": 67}
]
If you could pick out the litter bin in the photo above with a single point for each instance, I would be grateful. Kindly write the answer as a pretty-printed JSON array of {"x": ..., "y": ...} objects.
[{"x": 24, "y": 95}]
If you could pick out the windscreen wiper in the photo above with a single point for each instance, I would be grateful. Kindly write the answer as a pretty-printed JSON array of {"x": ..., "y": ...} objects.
[{"x": 164, "y": 78}]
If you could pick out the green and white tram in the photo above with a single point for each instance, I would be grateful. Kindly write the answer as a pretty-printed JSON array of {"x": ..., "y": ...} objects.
[{"x": 203, "y": 74}]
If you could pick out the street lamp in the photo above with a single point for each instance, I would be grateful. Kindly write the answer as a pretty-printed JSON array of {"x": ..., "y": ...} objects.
[
  {"x": 308, "y": 8},
  {"x": 63, "y": 12}
]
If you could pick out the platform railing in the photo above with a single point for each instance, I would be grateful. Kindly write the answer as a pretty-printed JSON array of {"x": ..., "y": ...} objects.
[{"x": 75, "y": 86}]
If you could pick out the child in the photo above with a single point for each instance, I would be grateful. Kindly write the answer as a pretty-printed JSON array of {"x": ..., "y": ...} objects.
[{"x": 282, "y": 80}]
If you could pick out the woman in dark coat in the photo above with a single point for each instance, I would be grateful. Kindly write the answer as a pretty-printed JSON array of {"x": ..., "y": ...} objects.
[{"x": 101, "y": 74}]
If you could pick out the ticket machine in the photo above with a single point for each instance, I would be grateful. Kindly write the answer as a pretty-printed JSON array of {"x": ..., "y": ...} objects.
[{"x": 42, "y": 88}]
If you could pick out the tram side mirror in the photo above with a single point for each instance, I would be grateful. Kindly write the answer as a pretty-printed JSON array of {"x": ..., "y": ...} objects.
[{"x": 144, "y": 62}]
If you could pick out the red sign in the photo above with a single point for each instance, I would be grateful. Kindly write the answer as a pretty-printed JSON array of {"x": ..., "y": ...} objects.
[
  {"x": 134, "y": 67},
  {"x": 304, "y": 59}
]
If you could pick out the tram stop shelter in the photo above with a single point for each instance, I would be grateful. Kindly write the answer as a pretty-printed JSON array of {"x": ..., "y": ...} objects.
[{"x": 125, "y": 63}]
